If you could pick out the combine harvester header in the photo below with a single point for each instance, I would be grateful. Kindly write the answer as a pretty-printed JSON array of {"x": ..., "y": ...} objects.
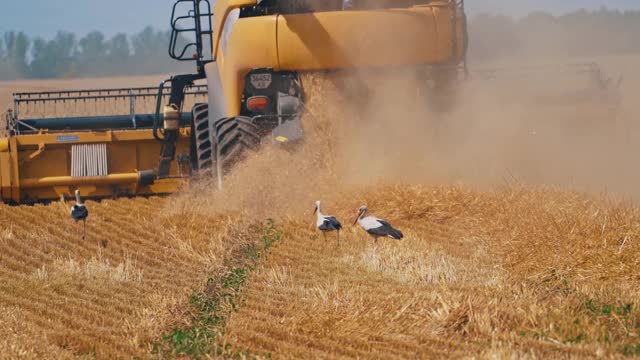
[{"x": 56, "y": 144}]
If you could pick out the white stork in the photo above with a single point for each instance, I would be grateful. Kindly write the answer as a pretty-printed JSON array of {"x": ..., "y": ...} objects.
[
  {"x": 79, "y": 212},
  {"x": 327, "y": 223},
  {"x": 376, "y": 227}
]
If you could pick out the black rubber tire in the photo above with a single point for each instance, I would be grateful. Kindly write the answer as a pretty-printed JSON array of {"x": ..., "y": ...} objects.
[
  {"x": 202, "y": 147},
  {"x": 234, "y": 138}
]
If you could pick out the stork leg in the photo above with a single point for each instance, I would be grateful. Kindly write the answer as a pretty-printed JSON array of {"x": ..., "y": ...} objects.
[
  {"x": 324, "y": 234},
  {"x": 338, "y": 237},
  {"x": 84, "y": 228}
]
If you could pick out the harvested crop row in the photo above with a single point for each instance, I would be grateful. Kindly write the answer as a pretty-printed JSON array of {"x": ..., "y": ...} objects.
[
  {"x": 111, "y": 295},
  {"x": 527, "y": 272}
]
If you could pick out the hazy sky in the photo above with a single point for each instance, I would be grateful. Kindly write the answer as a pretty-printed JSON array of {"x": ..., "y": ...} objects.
[{"x": 45, "y": 17}]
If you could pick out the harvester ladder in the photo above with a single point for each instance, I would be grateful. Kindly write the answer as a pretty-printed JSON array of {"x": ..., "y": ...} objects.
[{"x": 198, "y": 27}]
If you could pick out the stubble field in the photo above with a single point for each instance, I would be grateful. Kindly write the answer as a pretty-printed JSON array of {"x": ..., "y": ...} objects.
[{"x": 509, "y": 261}]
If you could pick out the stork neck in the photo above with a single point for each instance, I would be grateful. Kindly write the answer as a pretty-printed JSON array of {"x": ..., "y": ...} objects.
[
  {"x": 320, "y": 214},
  {"x": 78, "y": 200}
]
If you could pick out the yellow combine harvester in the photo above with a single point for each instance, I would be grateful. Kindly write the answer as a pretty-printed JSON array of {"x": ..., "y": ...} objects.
[{"x": 250, "y": 52}]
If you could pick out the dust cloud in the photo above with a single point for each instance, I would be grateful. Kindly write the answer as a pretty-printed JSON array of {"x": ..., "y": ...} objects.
[
  {"x": 521, "y": 119},
  {"x": 555, "y": 133},
  {"x": 364, "y": 129}
]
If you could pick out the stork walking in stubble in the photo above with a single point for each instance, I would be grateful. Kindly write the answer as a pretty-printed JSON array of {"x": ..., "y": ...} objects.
[
  {"x": 376, "y": 227},
  {"x": 79, "y": 212},
  {"x": 327, "y": 223}
]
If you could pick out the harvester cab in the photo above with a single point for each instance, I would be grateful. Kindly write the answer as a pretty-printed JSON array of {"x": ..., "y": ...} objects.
[{"x": 250, "y": 53}]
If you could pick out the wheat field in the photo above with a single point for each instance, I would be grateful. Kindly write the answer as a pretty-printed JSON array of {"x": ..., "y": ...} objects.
[
  {"x": 111, "y": 294},
  {"x": 493, "y": 265},
  {"x": 533, "y": 273}
]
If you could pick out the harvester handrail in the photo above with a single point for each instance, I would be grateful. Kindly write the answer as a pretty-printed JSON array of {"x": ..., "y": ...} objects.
[
  {"x": 19, "y": 120},
  {"x": 82, "y": 91},
  {"x": 101, "y": 93},
  {"x": 95, "y": 95}
]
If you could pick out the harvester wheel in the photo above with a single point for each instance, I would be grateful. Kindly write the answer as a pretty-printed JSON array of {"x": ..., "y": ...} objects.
[
  {"x": 234, "y": 136},
  {"x": 201, "y": 139}
]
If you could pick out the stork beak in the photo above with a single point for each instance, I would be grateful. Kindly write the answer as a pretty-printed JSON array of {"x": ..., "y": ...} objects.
[
  {"x": 357, "y": 217},
  {"x": 315, "y": 210}
]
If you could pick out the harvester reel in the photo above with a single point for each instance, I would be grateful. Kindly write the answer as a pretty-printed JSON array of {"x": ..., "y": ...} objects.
[{"x": 234, "y": 136}]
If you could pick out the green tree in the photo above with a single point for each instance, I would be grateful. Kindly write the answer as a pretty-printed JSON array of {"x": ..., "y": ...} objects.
[
  {"x": 4, "y": 66},
  {"x": 148, "y": 42},
  {"x": 64, "y": 49},
  {"x": 15, "y": 58},
  {"x": 54, "y": 58},
  {"x": 150, "y": 51},
  {"x": 117, "y": 61},
  {"x": 119, "y": 47},
  {"x": 92, "y": 47},
  {"x": 40, "y": 60},
  {"x": 92, "y": 52}
]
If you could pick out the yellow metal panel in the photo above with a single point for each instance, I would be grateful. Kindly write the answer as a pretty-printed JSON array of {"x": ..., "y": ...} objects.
[
  {"x": 346, "y": 39},
  {"x": 54, "y": 181},
  {"x": 446, "y": 36},
  {"x": 5, "y": 175},
  {"x": 334, "y": 40},
  {"x": 122, "y": 157},
  {"x": 88, "y": 137},
  {"x": 15, "y": 174},
  {"x": 47, "y": 138},
  {"x": 51, "y": 162},
  {"x": 252, "y": 44},
  {"x": 25, "y": 176},
  {"x": 221, "y": 10},
  {"x": 166, "y": 186},
  {"x": 4, "y": 145},
  {"x": 53, "y": 193}
]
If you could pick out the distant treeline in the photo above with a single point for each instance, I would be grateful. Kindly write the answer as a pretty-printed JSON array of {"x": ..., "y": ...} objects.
[
  {"x": 540, "y": 34},
  {"x": 66, "y": 55},
  {"x": 581, "y": 33}
]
